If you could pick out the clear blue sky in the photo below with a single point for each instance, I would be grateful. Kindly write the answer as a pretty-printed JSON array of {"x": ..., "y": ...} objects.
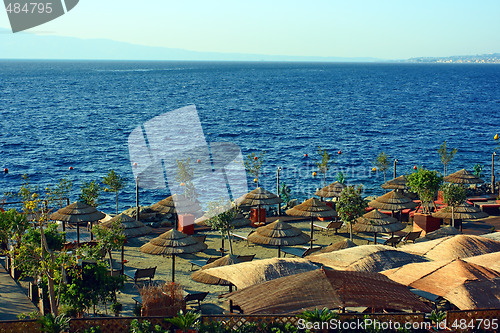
[{"x": 388, "y": 29}]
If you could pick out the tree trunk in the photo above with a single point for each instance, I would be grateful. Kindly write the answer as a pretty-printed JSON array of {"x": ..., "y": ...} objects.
[
  {"x": 116, "y": 197},
  {"x": 350, "y": 231},
  {"x": 453, "y": 216},
  {"x": 50, "y": 273},
  {"x": 230, "y": 244}
]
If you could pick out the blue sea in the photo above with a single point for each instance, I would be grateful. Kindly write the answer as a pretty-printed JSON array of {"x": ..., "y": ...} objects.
[{"x": 60, "y": 114}]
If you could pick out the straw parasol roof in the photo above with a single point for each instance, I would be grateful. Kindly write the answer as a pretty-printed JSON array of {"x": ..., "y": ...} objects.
[
  {"x": 249, "y": 273},
  {"x": 343, "y": 244},
  {"x": 312, "y": 208},
  {"x": 278, "y": 234},
  {"x": 77, "y": 212},
  {"x": 325, "y": 288},
  {"x": 375, "y": 221},
  {"x": 172, "y": 243},
  {"x": 331, "y": 191},
  {"x": 201, "y": 276},
  {"x": 398, "y": 183},
  {"x": 259, "y": 197},
  {"x": 440, "y": 233},
  {"x": 131, "y": 227},
  {"x": 452, "y": 247},
  {"x": 366, "y": 258},
  {"x": 176, "y": 204},
  {"x": 442, "y": 277},
  {"x": 463, "y": 177},
  {"x": 463, "y": 212},
  {"x": 392, "y": 201},
  {"x": 493, "y": 235},
  {"x": 488, "y": 260},
  {"x": 478, "y": 294}
]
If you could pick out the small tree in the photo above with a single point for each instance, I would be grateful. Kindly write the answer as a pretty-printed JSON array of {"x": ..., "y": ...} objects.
[
  {"x": 90, "y": 193},
  {"x": 446, "y": 156},
  {"x": 351, "y": 205},
  {"x": 453, "y": 195},
  {"x": 114, "y": 183},
  {"x": 60, "y": 192},
  {"x": 222, "y": 214},
  {"x": 324, "y": 164},
  {"x": 109, "y": 239},
  {"x": 425, "y": 183},
  {"x": 253, "y": 164},
  {"x": 185, "y": 175},
  {"x": 341, "y": 177},
  {"x": 382, "y": 163}
]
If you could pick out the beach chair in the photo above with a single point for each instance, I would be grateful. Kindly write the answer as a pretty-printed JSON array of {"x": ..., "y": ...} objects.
[
  {"x": 241, "y": 237},
  {"x": 200, "y": 238},
  {"x": 411, "y": 236},
  {"x": 299, "y": 252},
  {"x": 393, "y": 241},
  {"x": 202, "y": 262},
  {"x": 327, "y": 227},
  {"x": 195, "y": 297},
  {"x": 246, "y": 258},
  {"x": 142, "y": 273}
]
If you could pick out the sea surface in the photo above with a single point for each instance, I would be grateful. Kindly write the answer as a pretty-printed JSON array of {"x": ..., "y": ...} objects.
[{"x": 60, "y": 114}]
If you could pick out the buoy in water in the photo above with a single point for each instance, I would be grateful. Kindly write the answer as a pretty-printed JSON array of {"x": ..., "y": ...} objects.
[
  {"x": 71, "y": 168},
  {"x": 314, "y": 174},
  {"x": 415, "y": 167},
  {"x": 198, "y": 161},
  {"x": 305, "y": 155},
  {"x": 5, "y": 170},
  {"x": 496, "y": 136},
  {"x": 374, "y": 169},
  {"x": 340, "y": 152}
]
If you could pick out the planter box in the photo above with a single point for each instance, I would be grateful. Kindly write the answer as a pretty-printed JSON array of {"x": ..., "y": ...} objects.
[
  {"x": 186, "y": 224},
  {"x": 426, "y": 223},
  {"x": 254, "y": 215}
]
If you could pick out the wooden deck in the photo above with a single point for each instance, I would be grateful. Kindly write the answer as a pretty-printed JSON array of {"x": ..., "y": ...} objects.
[{"x": 13, "y": 300}]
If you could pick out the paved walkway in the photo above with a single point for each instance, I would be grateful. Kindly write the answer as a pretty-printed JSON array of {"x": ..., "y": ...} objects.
[{"x": 13, "y": 300}]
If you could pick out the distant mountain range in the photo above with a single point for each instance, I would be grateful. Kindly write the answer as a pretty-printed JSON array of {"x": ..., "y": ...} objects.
[{"x": 23, "y": 45}]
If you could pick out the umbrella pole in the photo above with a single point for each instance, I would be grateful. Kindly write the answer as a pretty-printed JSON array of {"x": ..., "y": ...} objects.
[
  {"x": 312, "y": 231},
  {"x": 123, "y": 259},
  {"x": 279, "y": 251},
  {"x": 173, "y": 267},
  {"x": 78, "y": 233},
  {"x": 230, "y": 301},
  {"x": 375, "y": 238},
  {"x": 91, "y": 234}
]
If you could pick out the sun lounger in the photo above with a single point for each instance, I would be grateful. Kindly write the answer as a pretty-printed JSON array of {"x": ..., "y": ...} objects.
[
  {"x": 326, "y": 227},
  {"x": 241, "y": 237},
  {"x": 200, "y": 238},
  {"x": 142, "y": 273},
  {"x": 246, "y": 258},
  {"x": 299, "y": 252},
  {"x": 202, "y": 262},
  {"x": 411, "y": 236}
]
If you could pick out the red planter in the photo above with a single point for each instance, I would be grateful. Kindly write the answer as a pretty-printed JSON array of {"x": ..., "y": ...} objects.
[
  {"x": 425, "y": 222},
  {"x": 256, "y": 217},
  {"x": 186, "y": 224}
]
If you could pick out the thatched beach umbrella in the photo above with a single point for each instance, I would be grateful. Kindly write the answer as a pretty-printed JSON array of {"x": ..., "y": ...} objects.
[
  {"x": 172, "y": 243},
  {"x": 331, "y": 191},
  {"x": 343, "y": 244},
  {"x": 366, "y": 258},
  {"x": 440, "y": 233},
  {"x": 443, "y": 277},
  {"x": 239, "y": 221},
  {"x": 312, "y": 208},
  {"x": 77, "y": 213},
  {"x": 259, "y": 197},
  {"x": 249, "y": 273},
  {"x": 452, "y": 247},
  {"x": 488, "y": 260},
  {"x": 176, "y": 203},
  {"x": 375, "y": 222},
  {"x": 278, "y": 234},
  {"x": 326, "y": 288},
  {"x": 463, "y": 212},
  {"x": 131, "y": 227},
  {"x": 463, "y": 177},
  {"x": 202, "y": 277},
  {"x": 398, "y": 183},
  {"x": 392, "y": 201}
]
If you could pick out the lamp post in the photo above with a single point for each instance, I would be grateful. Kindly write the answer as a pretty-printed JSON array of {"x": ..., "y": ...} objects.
[
  {"x": 493, "y": 172},
  {"x": 395, "y": 162},
  {"x": 278, "y": 187}
]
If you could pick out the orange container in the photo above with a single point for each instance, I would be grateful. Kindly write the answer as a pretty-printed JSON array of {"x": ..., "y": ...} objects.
[
  {"x": 186, "y": 224},
  {"x": 254, "y": 215}
]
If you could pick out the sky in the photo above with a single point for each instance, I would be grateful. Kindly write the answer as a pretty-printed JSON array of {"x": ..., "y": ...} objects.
[{"x": 386, "y": 29}]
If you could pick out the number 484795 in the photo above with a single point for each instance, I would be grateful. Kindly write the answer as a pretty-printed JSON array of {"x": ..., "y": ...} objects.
[{"x": 32, "y": 7}]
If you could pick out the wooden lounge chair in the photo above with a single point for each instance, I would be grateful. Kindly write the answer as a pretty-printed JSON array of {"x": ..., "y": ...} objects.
[
  {"x": 142, "y": 273},
  {"x": 411, "y": 236},
  {"x": 326, "y": 227},
  {"x": 241, "y": 237},
  {"x": 200, "y": 238},
  {"x": 393, "y": 241},
  {"x": 299, "y": 252},
  {"x": 202, "y": 262},
  {"x": 246, "y": 258},
  {"x": 195, "y": 297}
]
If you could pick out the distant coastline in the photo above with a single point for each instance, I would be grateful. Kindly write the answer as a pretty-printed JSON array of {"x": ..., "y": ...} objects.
[{"x": 493, "y": 58}]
